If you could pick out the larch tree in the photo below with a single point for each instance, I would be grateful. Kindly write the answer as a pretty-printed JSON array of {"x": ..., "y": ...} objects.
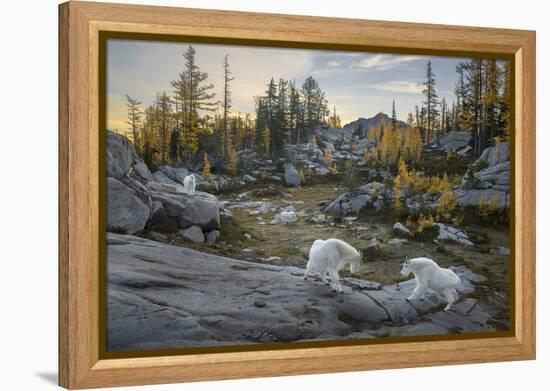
[
  {"x": 195, "y": 96},
  {"x": 206, "y": 171},
  {"x": 134, "y": 119},
  {"x": 165, "y": 115},
  {"x": 334, "y": 120}
]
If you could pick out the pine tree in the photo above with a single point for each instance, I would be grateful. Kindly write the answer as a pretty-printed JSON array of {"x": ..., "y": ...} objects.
[
  {"x": 296, "y": 115},
  {"x": 279, "y": 133},
  {"x": 227, "y": 78},
  {"x": 315, "y": 105},
  {"x": 393, "y": 116},
  {"x": 431, "y": 101}
]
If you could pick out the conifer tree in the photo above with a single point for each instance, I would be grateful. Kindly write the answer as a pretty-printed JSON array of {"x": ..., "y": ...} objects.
[
  {"x": 227, "y": 78},
  {"x": 134, "y": 118},
  {"x": 194, "y": 94},
  {"x": 206, "y": 171},
  {"x": 431, "y": 102}
]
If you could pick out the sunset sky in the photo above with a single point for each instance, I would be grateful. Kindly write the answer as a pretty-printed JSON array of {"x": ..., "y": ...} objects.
[{"x": 359, "y": 84}]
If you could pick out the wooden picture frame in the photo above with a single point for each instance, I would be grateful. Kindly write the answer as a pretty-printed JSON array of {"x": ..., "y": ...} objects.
[{"x": 80, "y": 25}]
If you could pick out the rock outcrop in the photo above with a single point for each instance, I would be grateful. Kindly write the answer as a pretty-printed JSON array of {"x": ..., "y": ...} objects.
[
  {"x": 162, "y": 296},
  {"x": 137, "y": 199},
  {"x": 121, "y": 156},
  {"x": 492, "y": 182},
  {"x": 450, "y": 142},
  {"x": 126, "y": 212},
  {"x": 372, "y": 194}
]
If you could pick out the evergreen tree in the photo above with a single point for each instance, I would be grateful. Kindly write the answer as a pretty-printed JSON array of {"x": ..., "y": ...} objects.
[
  {"x": 164, "y": 113},
  {"x": 194, "y": 94},
  {"x": 431, "y": 101},
  {"x": 393, "y": 116},
  {"x": 227, "y": 78}
]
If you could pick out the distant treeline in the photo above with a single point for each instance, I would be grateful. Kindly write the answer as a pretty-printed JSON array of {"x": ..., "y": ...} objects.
[
  {"x": 182, "y": 125},
  {"x": 481, "y": 106}
]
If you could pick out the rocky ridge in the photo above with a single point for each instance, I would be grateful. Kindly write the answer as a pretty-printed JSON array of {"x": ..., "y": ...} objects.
[{"x": 162, "y": 296}]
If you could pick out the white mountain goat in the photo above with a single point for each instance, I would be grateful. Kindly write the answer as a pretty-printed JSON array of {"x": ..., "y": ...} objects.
[
  {"x": 429, "y": 275},
  {"x": 329, "y": 257},
  {"x": 189, "y": 184}
]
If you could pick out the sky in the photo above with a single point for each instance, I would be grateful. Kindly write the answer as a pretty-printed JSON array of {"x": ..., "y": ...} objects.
[{"x": 359, "y": 84}]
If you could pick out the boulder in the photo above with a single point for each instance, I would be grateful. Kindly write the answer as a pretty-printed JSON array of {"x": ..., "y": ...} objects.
[
  {"x": 141, "y": 169},
  {"x": 249, "y": 178},
  {"x": 193, "y": 233},
  {"x": 348, "y": 203},
  {"x": 495, "y": 174},
  {"x": 120, "y": 155},
  {"x": 126, "y": 212},
  {"x": 201, "y": 209},
  {"x": 451, "y": 234},
  {"x": 176, "y": 174},
  {"x": 451, "y": 141},
  {"x": 490, "y": 183},
  {"x": 401, "y": 230},
  {"x": 373, "y": 249},
  {"x": 292, "y": 177},
  {"x": 161, "y": 177},
  {"x": 160, "y": 221},
  {"x": 286, "y": 217},
  {"x": 212, "y": 236},
  {"x": 397, "y": 241},
  {"x": 497, "y": 154},
  {"x": 475, "y": 196}
]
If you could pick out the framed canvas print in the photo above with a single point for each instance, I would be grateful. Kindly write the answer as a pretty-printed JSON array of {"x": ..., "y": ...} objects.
[{"x": 247, "y": 195}]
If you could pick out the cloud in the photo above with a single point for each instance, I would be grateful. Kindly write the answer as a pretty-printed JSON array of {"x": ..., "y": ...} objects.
[
  {"x": 384, "y": 62},
  {"x": 407, "y": 87}
]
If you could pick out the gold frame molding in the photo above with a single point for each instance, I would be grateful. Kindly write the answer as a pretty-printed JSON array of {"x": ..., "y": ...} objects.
[{"x": 81, "y": 25}]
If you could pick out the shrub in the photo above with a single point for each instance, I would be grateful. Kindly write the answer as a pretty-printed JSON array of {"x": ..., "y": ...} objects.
[
  {"x": 302, "y": 177},
  {"x": 327, "y": 157},
  {"x": 447, "y": 204},
  {"x": 425, "y": 223},
  {"x": 487, "y": 209}
]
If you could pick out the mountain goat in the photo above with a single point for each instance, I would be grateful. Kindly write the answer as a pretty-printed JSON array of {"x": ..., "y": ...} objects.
[
  {"x": 189, "y": 184},
  {"x": 428, "y": 274},
  {"x": 329, "y": 257}
]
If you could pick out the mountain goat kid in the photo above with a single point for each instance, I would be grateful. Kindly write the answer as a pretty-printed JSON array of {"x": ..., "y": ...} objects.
[
  {"x": 329, "y": 257},
  {"x": 428, "y": 274},
  {"x": 189, "y": 184}
]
